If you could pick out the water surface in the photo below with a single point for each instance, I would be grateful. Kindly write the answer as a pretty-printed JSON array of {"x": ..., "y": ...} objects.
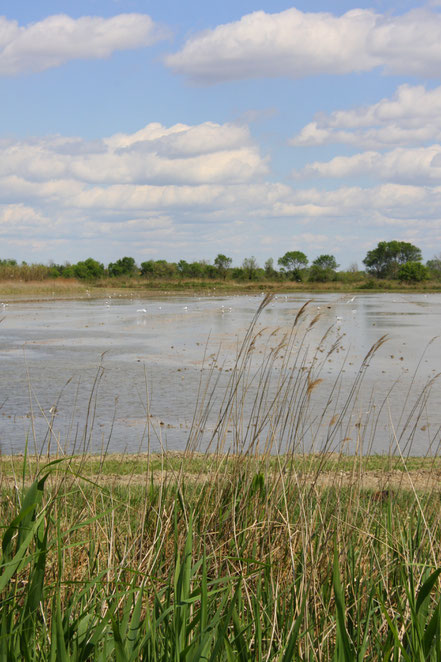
[{"x": 124, "y": 374}]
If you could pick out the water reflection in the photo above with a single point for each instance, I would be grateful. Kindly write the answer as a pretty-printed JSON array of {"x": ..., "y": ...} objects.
[{"x": 126, "y": 373}]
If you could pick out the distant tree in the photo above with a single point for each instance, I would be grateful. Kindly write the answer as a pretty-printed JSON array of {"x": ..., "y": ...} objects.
[
  {"x": 196, "y": 269},
  {"x": 325, "y": 262},
  {"x": 270, "y": 272},
  {"x": 123, "y": 267},
  {"x": 222, "y": 264},
  {"x": 210, "y": 271},
  {"x": 183, "y": 268},
  {"x": 159, "y": 269},
  {"x": 88, "y": 269},
  {"x": 385, "y": 260},
  {"x": 434, "y": 266},
  {"x": 292, "y": 263},
  {"x": 190, "y": 269},
  {"x": 250, "y": 268},
  {"x": 237, "y": 273},
  {"x": 323, "y": 269},
  {"x": 413, "y": 272},
  {"x": 147, "y": 268}
]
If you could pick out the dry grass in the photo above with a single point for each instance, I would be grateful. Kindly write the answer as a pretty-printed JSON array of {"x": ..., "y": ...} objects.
[
  {"x": 54, "y": 289},
  {"x": 62, "y": 288}
]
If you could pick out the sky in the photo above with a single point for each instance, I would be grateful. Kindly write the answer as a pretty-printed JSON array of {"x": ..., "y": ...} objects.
[{"x": 180, "y": 130}]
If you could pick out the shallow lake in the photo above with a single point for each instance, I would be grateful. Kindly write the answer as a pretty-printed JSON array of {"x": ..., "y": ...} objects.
[{"x": 128, "y": 374}]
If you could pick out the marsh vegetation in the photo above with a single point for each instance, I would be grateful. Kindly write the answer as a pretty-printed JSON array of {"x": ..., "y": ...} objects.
[{"x": 242, "y": 552}]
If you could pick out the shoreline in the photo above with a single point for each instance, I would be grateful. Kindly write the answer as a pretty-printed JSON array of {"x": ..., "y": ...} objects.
[
  {"x": 28, "y": 292},
  {"x": 365, "y": 473}
]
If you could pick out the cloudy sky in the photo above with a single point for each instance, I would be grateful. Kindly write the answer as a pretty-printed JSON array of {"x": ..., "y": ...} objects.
[{"x": 187, "y": 129}]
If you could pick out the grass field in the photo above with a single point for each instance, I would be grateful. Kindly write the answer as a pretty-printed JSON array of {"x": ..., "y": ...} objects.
[
  {"x": 238, "y": 554},
  {"x": 192, "y": 557}
]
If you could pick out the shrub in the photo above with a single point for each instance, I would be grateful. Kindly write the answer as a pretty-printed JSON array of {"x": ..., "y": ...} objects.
[{"x": 413, "y": 272}]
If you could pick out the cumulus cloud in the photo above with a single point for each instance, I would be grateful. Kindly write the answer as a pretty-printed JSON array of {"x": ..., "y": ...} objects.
[
  {"x": 296, "y": 44},
  {"x": 182, "y": 154},
  {"x": 290, "y": 43},
  {"x": 174, "y": 191},
  {"x": 60, "y": 38},
  {"x": 28, "y": 218},
  {"x": 152, "y": 185},
  {"x": 417, "y": 165},
  {"x": 182, "y": 140},
  {"x": 411, "y": 117}
]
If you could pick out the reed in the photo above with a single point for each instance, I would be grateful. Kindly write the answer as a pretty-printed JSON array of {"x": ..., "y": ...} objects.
[{"x": 250, "y": 550}]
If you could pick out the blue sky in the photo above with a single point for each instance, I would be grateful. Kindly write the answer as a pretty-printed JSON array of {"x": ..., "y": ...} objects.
[{"x": 183, "y": 130}]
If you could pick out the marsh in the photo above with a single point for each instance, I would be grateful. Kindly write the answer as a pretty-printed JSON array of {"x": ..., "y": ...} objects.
[{"x": 128, "y": 373}]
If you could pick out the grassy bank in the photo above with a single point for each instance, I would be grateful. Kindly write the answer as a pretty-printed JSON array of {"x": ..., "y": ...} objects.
[
  {"x": 62, "y": 288},
  {"x": 316, "y": 467},
  {"x": 255, "y": 562}
]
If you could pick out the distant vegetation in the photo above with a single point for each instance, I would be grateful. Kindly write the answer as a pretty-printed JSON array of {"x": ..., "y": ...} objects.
[{"x": 389, "y": 261}]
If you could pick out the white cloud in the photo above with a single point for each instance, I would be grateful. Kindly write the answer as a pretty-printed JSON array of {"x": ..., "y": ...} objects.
[
  {"x": 207, "y": 153},
  {"x": 125, "y": 195},
  {"x": 182, "y": 140},
  {"x": 409, "y": 44},
  {"x": 411, "y": 117},
  {"x": 17, "y": 213},
  {"x": 291, "y": 43},
  {"x": 60, "y": 38},
  {"x": 298, "y": 44},
  {"x": 316, "y": 242},
  {"x": 401, "y": 165}
]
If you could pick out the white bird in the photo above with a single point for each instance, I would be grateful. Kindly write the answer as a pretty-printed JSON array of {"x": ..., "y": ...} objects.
[{"x": 141, "y": 310}]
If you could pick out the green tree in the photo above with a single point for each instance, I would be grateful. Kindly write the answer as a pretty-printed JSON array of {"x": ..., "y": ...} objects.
[
  {"x": 147, "y": 268},
  {"x": 183, "y": 268},
  {"x": 250, "y": 268},
  {"x": 125, "y": 266},
  {"x": 222, "y": 264},
  {"x": 323, "y": 269},
  {"x": 413, "y": 272},
  {"x": 385, "y": 260},
  {"x": 210, "y": 271},
  {"x": 159, "y": 269},
  {"x": 325, "y": 262},
  {"x": 88, "y": 269},
  {"x": 292, "y": 264},
  {"x": 270, "y": 272},
  {"x": 190, "y": 269},
  {"x": 434, "y": 266},
  {"x": 237, "y": 273}
]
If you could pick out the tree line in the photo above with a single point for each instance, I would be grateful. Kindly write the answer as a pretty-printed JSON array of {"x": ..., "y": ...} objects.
[{"x": 396, "y": 260}]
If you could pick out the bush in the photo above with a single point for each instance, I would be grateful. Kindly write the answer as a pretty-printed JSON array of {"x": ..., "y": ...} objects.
[{"x": 413, "y": 272}]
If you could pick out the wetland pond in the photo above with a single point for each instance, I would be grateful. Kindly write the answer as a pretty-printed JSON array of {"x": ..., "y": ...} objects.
[{"x": 131, "y": 374}]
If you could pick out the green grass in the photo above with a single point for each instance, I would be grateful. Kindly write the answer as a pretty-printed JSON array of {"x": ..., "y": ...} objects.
[
  {"x": 247, "y": 566},
  {"x": 202, "y": 465}
]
